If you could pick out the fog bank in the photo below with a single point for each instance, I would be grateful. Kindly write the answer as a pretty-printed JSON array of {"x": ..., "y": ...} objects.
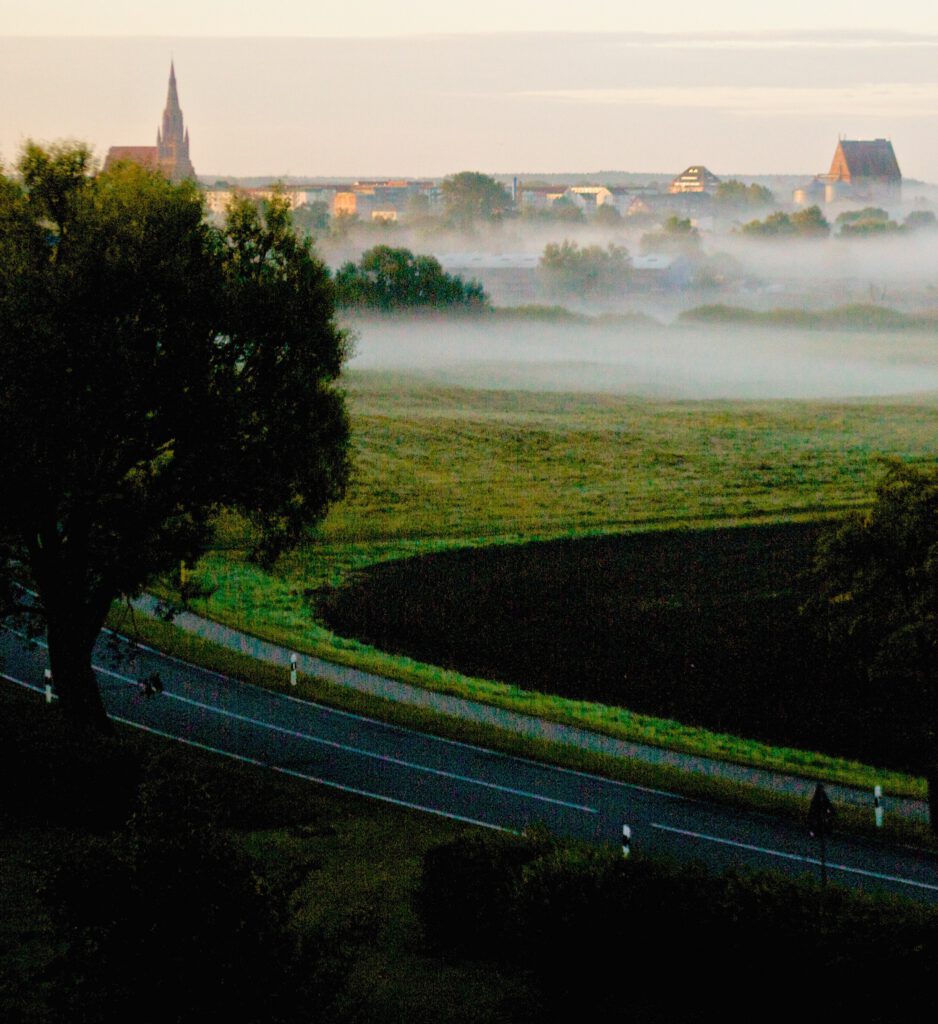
[{"x": 693, "y": 362}]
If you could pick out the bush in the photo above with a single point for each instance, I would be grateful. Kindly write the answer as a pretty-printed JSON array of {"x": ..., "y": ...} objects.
[
  {"x": 466, "y": 888},
  {"x": 168, "y": 921},
  {"x": 658, "y": 940}
]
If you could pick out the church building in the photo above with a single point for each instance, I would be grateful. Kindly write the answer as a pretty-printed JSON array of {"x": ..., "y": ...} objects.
[{"x": 171, "y": 152}]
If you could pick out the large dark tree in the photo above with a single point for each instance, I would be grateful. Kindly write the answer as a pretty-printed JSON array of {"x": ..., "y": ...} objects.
[
  {"x": 876, "y": 601},
  {"x": 153, "y": 369}
]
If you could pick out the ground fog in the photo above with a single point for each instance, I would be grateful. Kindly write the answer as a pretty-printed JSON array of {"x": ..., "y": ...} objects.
[{"x": 676, "y": 361}]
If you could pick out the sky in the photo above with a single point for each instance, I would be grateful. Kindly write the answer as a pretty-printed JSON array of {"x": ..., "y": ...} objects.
[{"x": 364, "y": 89}]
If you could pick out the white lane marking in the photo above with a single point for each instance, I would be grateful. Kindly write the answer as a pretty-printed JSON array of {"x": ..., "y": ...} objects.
[
  {"x": 361, "y": 752},
  {"x": 545, "y": 766},
  {"x": 794, "y": 856},
  {"x": 286, "y": 771}
]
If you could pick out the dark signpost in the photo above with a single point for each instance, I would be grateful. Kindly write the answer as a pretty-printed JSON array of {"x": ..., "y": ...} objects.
[{"x": 820, "y": 817}]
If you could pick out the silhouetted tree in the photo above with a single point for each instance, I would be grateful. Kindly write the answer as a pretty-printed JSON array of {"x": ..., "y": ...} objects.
[
  {"x": 876, "y": 601},
  {"x": 153, "y": 369}
]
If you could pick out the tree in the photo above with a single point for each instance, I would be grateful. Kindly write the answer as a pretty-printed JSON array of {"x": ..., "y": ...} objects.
[
  {"x": 875, "y": 601},
  {"x": 469, "y": 197},
  {"x": 387, "y": 278},
  {"x": 676, "y": 234},
  {"x": 920, "y": 220},
  {"x": 811, "y": 223},
  {"x": 734, "y": 194},
  {"x": 569, "y": 268},
  {"x": 153, "y": 370},
  {"x": 808, "y": 223}
]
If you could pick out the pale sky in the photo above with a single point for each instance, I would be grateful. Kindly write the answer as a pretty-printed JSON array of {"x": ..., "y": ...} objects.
[{"x": 424, "y": 88}]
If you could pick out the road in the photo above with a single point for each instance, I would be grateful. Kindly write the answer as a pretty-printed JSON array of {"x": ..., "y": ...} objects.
[{"x": 458, "y": 780}]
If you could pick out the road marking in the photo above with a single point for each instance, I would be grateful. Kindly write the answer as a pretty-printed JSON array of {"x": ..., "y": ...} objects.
[
  {"x": 768, "y": 851},
  {"x": 543, "y": 765},
  {"x": 359, "y": 751},
  {"x": 287, "y": 771}
]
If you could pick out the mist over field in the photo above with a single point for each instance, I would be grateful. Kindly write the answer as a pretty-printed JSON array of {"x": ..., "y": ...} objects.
[{"x": 677, "y": 361}]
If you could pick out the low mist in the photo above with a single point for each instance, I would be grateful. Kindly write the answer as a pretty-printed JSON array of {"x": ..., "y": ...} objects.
[{"x": 676, "y": 361}]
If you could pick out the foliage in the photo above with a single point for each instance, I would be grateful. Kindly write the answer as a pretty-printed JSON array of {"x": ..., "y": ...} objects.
[
  {"x": 735, "y": 194},
  {"x": 574, "y": 915},
  {"x": 607, "y": 215},
  {"x": 676, "y": 234},
  {"x": 470, "y": 197},
  {"x": 171, "y": 908},
  {"x": 154, "y": 368},
  {"x": 311, "y": 217},
  {"x": 920, "y": 220},
  {"x": 388, "y": 279},
  {"x": 807, "y": 223},
  {"x": 875, "y": 602},
  {"x": 591, "y": 269},
  {"x": 872, "y": 220}
]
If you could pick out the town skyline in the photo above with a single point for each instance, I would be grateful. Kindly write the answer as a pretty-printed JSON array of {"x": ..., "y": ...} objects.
[{"x": 752, "y": 104}]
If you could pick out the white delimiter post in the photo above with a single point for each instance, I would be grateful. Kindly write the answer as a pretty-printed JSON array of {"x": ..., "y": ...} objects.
[
  {"x": 878, "y": 805},
  {"x": 47, "y": 675},
  {"x": 626, "y": 840},
  {"x": 293, "y": 660}
]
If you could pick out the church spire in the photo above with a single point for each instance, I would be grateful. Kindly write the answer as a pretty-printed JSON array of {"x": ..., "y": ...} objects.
[{"x": 173, "y": 139}]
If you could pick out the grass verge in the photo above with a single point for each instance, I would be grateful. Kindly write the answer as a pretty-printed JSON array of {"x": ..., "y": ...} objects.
[
  {"x": 193, "y": 649},
  {"x": 607, "y": 720}
]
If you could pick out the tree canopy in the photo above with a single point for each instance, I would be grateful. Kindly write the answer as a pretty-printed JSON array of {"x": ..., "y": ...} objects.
[
  {"x": 876, "y": 601},
  {"x": 387, "y": 278},
  {"x": 807, "y": 223},
  {"x": 734, "y": 194},
  {"x": 153, "y": 370},
  {"x": 470, "y": 196},
  {"x": 591, "y": 268}
]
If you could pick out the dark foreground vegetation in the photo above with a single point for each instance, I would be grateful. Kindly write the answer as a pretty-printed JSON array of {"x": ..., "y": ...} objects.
[
  {"x": 606, "y": 938},
  {"x": 143, "y": 880},
  {"x": 699, "y": 625},
  {"x": 146, "y": 881}
]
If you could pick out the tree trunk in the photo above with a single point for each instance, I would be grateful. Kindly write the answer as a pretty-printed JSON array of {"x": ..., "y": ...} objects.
[{"x": 73, "y": 678}]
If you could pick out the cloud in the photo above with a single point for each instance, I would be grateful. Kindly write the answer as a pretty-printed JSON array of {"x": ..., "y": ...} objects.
[{"x": 891, "y": 99}]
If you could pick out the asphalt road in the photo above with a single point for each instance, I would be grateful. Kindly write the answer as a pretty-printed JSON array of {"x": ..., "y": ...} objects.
[{"x": 460, "y": 781}]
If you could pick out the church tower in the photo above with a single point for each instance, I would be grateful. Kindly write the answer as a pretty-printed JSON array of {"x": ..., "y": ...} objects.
[{"x": 172, "y": 141}]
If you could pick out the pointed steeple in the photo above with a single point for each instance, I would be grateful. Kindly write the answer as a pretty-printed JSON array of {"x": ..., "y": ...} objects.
[{"x": 173, "y": 140}]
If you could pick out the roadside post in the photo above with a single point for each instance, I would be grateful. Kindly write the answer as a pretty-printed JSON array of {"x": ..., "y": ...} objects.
[
  {"x": 878, "y": 805},
  {"x": 293, "y": 673},
  {"x": 626, "y": 840},
  {"x": 820, "y": 817},
  {"x": 47, "y": 676}
]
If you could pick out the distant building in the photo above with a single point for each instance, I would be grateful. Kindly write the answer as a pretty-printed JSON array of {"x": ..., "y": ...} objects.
[
  {"x": 863, "y": 170},
  {"x": 694, "y": 179},
  {"x": 171, "y": 152}
]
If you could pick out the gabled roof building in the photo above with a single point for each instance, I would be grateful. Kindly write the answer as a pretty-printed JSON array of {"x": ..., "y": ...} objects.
[
  {"x": 862, "y": 170},
  {"x": 694, "y": 179},
  {"x": 171, "y": 152}
]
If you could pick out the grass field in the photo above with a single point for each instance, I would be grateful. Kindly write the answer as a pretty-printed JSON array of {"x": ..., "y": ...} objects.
[{"x": 443, "y": 467}]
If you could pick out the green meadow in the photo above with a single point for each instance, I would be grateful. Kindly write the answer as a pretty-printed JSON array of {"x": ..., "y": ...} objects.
[{"x": 439, "y": 467}]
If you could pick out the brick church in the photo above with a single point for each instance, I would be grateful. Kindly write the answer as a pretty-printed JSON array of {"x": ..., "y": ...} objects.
[{"x": 171, "y": 152}]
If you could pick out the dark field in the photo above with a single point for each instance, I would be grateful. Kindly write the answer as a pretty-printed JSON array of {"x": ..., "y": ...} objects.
[{"x": 702, "y": 626}]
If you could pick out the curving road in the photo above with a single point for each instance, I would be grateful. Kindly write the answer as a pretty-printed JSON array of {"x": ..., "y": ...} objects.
[{"x": 457, "y": 780}]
